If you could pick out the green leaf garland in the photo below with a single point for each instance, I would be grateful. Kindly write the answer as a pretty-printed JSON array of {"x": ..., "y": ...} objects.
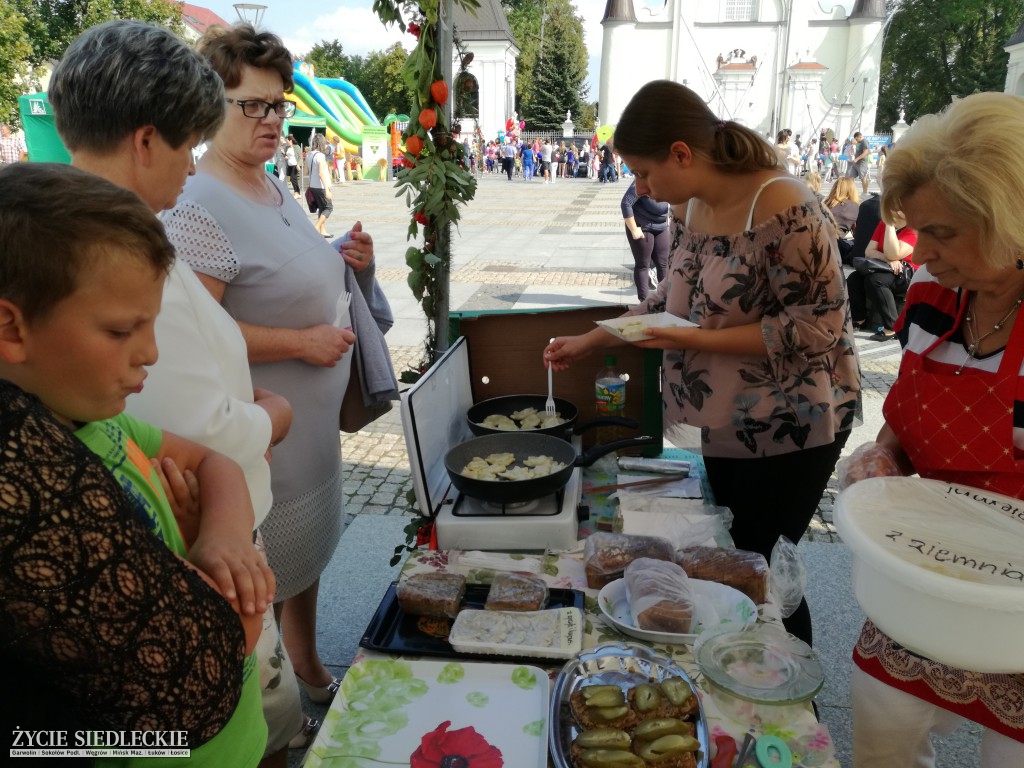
[{"x": 436, "y": 180}]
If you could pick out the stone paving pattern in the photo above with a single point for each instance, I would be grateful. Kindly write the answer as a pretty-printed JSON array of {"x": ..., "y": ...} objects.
[{"x": 520, "y": 245}]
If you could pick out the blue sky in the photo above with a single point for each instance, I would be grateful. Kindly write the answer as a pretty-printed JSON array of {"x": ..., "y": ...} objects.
[{"x": 303, "y": 23}]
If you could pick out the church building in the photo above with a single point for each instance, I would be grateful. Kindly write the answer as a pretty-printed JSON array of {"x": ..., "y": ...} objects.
[
  {"x": 485, "y": 96},
  {"x": 806, "y": 65}
]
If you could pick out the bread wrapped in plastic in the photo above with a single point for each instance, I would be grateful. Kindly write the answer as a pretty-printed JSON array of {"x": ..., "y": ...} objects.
[
  {"x": 432, "y": 594},
  {"x": 606, "y": 555},
  {"x": 737, "y": 568},
  {"x": 516, "y": 591},
  {"x": 660, "y": 596}
]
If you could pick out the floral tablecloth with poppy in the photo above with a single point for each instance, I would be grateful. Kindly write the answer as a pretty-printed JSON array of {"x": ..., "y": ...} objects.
[{"x": 421, "y": 713}]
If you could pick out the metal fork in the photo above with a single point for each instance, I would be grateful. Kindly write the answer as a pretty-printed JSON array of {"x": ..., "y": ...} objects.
[{"x": 549, "y": 405}]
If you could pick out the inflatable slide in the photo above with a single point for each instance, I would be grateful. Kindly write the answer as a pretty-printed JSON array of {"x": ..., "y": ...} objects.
[{"x": 337, "y": 101}]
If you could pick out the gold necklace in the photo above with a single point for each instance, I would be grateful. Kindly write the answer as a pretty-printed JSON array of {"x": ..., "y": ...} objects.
[
  {"x": 969, "y": 325},
  {"x": 260, "y": 194}
]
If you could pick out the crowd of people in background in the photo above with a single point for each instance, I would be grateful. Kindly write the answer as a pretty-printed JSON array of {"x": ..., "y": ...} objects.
[
  {"x": 825, "y": 156},
  {"x": 820, "y": 160},
  {"x": 543, "y": 160}
]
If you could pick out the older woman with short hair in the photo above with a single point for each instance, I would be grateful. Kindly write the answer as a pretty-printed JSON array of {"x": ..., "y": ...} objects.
[
  {"x": 962, "y": 333},
  {"x": 99, "y": 106},
  {"x": 200, "y": 387},
  {"x": 254, "y": 249},
  {"x": 138, "y": 132}
]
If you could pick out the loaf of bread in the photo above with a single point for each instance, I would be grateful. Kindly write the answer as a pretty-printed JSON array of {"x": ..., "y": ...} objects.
[
  {"x": 432, "y": 594},
  {"x": 606, "y": 555},
  {"x": 514, "y": 591},
  {"x": 660, "y": 596},
  {"x": 737, "y": 568}
]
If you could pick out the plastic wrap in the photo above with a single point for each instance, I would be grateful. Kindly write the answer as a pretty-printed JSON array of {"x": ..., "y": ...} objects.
[
  {"x": 660, "y": 596},
  {"x": 555, "y": 634},
  {"x": 684, "y": 522},
  {"x": 476, "y": 560},
  {"x": 432, "y": 594},
  {"x": 867, "y": 460},
  {"x": 606, "y": 555},
  {"x": 746, "y": 571},
  {"x": 667, "y": 466},
  {"x": 517, "y": 592},
  {"x": 788, "y": 576}
]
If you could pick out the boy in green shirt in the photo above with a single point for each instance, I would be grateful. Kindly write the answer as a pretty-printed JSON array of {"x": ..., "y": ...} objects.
[{"x": 77, "y": 305}]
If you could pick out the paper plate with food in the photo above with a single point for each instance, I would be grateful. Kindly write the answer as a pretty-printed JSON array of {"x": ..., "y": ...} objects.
[{"x": 634, "y": 327}]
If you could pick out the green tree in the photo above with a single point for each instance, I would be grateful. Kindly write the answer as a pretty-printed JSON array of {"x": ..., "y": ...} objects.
[
  {"x": 328, "y": 59},
  {"x": 53, "y": 24},
  {"x": 354, "y": 70},
  {"x": 380, "y": 80},
  {"x": 524, "y": 17},
  {"x": 14, "y": 53},
  {"x": 936, "y": 50},
  {"x": 560, "y": 72},
  {"x": 33, "y": 32}
]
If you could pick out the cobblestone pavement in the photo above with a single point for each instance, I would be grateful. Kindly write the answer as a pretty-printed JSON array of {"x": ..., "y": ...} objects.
[{"x": 522, "y": 245}]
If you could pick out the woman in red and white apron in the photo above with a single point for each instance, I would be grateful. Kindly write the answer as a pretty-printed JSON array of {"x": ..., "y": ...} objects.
[{"x": 956, "y": 411}]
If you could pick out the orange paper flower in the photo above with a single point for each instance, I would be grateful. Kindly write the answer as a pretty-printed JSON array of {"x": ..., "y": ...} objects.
[
  {"x": 439, "y": 90},
  {"x": 428, "y": 118}
]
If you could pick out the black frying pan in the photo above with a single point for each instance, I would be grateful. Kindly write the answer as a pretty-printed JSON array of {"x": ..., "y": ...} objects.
[
  {"x": 523, "y": 444},
  {"x": 509, "y": 404}
]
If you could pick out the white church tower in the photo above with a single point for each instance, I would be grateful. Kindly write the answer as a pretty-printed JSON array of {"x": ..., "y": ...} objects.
[{"x": 806, "y": 65}]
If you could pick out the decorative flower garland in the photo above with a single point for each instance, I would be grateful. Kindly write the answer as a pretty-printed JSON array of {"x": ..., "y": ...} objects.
[
  {"x": 435, "y": 175},
  {"x": 435, "y": 178}
]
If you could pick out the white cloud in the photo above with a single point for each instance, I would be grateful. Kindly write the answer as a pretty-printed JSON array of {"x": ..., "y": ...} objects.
[{"x": 357, "y": 29}]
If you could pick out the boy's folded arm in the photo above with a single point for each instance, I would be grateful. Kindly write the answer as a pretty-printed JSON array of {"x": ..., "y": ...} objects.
[
  {"x": 182, "y": 492},
  {"x": 223, "y": 547}
]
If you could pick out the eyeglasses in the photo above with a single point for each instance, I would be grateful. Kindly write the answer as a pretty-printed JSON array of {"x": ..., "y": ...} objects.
[{"x": 257, "y": 109}]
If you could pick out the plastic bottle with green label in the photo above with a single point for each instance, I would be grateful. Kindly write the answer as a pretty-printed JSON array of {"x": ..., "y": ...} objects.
[
  {"x": 610, "y": 389},
  {"x": 610, "y": 399}
]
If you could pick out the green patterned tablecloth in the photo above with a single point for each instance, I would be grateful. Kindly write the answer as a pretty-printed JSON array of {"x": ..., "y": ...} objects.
[{"x": 808, "y": 739}]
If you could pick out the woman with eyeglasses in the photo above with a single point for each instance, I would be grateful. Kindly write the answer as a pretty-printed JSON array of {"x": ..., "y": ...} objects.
[{"x": 258, "y": 254}]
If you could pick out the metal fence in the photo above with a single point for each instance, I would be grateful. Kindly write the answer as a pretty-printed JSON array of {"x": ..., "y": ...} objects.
[{"x": 579, "y": 139}]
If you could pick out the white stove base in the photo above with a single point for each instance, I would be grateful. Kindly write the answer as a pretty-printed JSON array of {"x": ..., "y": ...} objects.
[{"x": 507, "y": 533}]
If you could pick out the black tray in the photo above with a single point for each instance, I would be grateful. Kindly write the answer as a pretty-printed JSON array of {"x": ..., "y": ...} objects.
[{"x": 393, "y": 631}]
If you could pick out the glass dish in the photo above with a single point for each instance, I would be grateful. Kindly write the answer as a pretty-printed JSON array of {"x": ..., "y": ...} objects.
[
  {"x": 760, "y": 676},
  {"x": 622, "y": 664}
]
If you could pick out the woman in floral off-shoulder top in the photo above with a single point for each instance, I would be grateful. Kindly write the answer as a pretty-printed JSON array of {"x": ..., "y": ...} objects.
[{"x": 770, "y": 376}]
